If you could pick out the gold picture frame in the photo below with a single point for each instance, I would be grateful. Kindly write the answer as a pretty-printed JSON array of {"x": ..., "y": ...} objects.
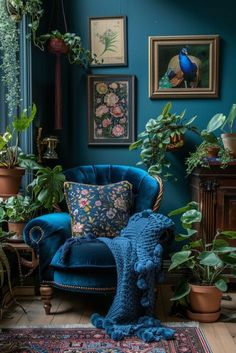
[
  {"x": 183, "y": 66},
  {"x": 107, "y": 37}
]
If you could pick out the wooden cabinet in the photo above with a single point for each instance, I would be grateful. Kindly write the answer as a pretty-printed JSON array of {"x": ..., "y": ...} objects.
[{"x": 214, "y": 189}]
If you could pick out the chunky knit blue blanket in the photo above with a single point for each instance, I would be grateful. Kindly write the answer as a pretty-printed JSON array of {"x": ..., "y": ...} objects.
[{"x": 138, "y": 255}]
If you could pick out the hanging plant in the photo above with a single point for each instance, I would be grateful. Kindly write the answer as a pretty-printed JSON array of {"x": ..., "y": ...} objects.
[
  {"x": 67, "y": 43},
  {"x": 11, "y": 12},
  {"x": 32, "y": 8},
  {"x": 9, "y": 47}
]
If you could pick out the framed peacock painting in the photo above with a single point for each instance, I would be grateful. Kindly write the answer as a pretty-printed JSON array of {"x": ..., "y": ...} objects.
[{"x": 184, "y": 66}]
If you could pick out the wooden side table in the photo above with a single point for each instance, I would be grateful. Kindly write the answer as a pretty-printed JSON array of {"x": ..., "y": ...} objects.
[
  {"x": 214, "y": 189},
  {"x": 27, "y": 261}
]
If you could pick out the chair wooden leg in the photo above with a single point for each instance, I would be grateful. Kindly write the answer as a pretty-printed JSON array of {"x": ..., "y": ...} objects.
[{"x": 46, "y": 296}]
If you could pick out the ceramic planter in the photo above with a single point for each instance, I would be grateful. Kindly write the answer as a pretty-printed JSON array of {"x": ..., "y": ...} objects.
[
  {"x": 176, "y": 142},
  {"x": 229, "y": 142},
  {"x": 17, "y": 228},
  {"x": 213, "y": 151},
  {"x": 10, "y": 179},
  {"x": 205, "y": 303},
  {"x": 57, "y": 46}
]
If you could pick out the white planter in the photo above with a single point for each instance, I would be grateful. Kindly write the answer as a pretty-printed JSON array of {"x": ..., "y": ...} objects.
[{"x": 229, "y": 142}]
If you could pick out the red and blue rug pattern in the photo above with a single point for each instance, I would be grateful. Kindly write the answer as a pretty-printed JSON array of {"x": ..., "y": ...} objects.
[{"x": 90, "y": 340}]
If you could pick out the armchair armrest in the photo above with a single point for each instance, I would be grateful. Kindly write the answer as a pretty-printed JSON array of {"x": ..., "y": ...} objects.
[{"x": 46, "y": 234}]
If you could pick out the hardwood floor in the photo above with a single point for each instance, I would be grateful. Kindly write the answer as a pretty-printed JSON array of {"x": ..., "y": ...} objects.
[{"x": 72, "y": 308}]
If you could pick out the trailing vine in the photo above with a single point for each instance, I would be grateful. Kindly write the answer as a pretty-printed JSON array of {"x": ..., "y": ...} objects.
[{"x": 9, "y": 47}]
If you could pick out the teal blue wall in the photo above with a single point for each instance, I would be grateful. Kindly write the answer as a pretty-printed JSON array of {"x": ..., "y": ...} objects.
[{"x": 145, "y": 18}]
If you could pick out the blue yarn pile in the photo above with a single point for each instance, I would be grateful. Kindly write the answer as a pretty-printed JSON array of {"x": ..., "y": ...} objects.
[{"x": 138, "y": 255}]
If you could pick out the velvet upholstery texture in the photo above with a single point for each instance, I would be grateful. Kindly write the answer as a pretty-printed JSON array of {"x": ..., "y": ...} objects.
[
  {"x": 89, "y": 268},
  {"x": 102, "y": 210}
]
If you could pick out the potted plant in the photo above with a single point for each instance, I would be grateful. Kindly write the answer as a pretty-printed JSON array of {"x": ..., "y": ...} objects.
[
  {"x": 227, "y": 125},
  {"x": 206, "y": 263},
  {"x": 162, "y": 135},
  {"x": 210, "y": 148},
  {"x": 13, "y": 161},
  {"x": 229, "y": 138},
  {"x": 18, "y": 211}
]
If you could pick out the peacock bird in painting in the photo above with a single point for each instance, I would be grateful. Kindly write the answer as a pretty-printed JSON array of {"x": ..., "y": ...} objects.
[{"x": 183, "y": 71}]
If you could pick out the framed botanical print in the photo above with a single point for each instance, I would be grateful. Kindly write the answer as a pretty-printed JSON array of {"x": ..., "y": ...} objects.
[
  {"x": 108, "y": 40},
  {"x": 111, "y": 109},
  {"x": 183, "y": 66}
]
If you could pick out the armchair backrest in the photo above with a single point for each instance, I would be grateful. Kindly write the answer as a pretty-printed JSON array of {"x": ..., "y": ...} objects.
[{"x": 147, "y": 191}]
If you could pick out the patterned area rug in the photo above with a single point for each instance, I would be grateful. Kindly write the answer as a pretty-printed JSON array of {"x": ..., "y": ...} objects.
[{"x": 90, "y": 340}]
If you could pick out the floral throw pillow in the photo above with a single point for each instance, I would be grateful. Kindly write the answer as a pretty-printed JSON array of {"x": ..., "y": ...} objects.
[{"x": 99, "y": 209}]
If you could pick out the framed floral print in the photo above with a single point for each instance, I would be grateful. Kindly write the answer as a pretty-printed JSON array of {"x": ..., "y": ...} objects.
[
  {"x": 111, "y": 109},
  {"x": 184, "y": 66},
  {"x": 108, "y": 40}
]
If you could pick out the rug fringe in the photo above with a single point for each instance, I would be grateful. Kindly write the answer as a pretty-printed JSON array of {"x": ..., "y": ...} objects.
[
  {"x": 49, "y": 326},
  {"x": 182, "y": 324},
  {"x": 172, "y": 324}
]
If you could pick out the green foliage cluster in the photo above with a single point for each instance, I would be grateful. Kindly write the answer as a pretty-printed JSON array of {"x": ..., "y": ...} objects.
[
  {"x": 207, "y": 262},
  {"x": 209, "y": 139},
  {"x": 156, "y": 137},
  {"x": 18, "y": 208}
]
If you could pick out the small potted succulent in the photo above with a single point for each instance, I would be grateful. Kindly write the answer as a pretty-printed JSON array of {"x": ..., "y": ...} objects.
[
  {"x": 161, "y": 136},
  {"x": 207, "y": 265}
]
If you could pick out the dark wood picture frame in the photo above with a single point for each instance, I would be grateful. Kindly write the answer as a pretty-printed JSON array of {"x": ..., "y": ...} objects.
[
  {"x": 108, "y": 40},
  {"x": 172, "y": 75},
  {"x": 111, "y": 109}
]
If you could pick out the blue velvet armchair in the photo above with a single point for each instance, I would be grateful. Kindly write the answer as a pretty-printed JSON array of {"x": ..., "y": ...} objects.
[{"x": 91, "y": 266}]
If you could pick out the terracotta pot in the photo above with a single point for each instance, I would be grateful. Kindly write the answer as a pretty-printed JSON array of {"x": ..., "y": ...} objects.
[
  {"x": 229, "y": 141},
  {"x": 10, "y": 179},
  {"x": 17, "y": 227},
  {"x": 176, "y": 142},
  {"x": 212, "y": 151},
  {"x": 205, "y": 299},
  {"x": 57, "y": 46}
]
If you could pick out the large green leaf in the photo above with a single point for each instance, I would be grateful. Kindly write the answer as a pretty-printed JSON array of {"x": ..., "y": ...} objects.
[
  {"x": 166, "y": 109},
  {"x": 182, "y": 291},
  {"x": 190, "y": 233},
  {"x": 229, "y": 259},
  {"x": 221, "y": 285},
  {"x": 179, "y": 258},
  {"x": 218, "y": 243},
  {"x": 4, "y": 139},
  {"x": 225, "y": 249},
  {"x": 23, "y": 122},
  {"x": 135, "y": 145},
  {"x": 215, "y": 122},
  {"x": 190, "y": 217},
  {"x": 189, "y": 206},
  {"x": 208, "y": 258},
  {"x": 228, "y": 234}
]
